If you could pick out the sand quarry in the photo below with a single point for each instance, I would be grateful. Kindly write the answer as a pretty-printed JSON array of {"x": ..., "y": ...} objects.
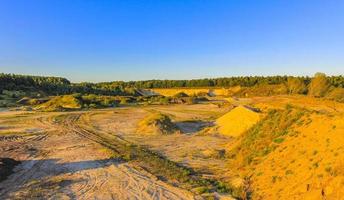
[{"x": 61, "y": 159}]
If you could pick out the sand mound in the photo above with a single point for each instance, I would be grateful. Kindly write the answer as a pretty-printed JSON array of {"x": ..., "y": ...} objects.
[
  {"x": 60, "y": 103},
  {"x": 294, "y": 154},
  {"x": 155, "y": 124},
  {"x": 237, "y": 121}
]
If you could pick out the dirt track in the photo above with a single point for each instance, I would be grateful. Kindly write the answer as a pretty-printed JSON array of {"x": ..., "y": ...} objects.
[{"x": 65, "y": 161}]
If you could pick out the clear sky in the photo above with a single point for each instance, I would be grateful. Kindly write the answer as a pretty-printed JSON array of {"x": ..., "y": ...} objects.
[{"x": 103, "y": 40}]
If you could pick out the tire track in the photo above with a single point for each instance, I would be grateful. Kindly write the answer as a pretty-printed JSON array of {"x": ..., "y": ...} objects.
[{"x": 136, "y": 185}]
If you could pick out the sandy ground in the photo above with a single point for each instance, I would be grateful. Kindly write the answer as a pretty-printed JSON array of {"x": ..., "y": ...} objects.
[
  {"x": 188, "y": 148},
  {"x": 58, "y": 163}
]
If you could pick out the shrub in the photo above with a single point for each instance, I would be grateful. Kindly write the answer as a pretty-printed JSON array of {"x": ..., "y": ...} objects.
[
  {"x": 337, "y": 94},
  {"x": 123, "y": 101},
  {"x": 201, "y": 190},
  {"x": 60, "y": 103},
  {"x": 164, "y": 100},
  {"x": 92, "y": 105},
  {"x": 278, "y": 140},
  {"x": 180, "y": 94},
  {"x": 77, "y": 95},
  {"x": 106, "y": 102},
  {"x": 296, "y": 86},
  {"x": 191, "y": 100},
  {"x": 91, "y": 98},
  {"x": 319, "y": 85}
]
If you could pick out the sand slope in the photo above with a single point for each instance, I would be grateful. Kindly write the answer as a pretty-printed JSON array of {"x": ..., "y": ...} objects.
[
  {"x": 237, "y": 121},
  {"x": 308, "y": 165}
]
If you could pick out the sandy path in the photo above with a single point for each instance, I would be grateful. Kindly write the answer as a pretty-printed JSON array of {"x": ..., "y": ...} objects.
[{"x": 66, "y": 165}]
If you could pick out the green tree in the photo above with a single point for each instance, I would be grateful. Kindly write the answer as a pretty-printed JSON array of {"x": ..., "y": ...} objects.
[{"x": 319, "y": 85}]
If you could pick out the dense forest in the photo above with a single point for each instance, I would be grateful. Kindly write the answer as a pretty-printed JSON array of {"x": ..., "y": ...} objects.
[
  {"x": 52, "y": 85},
  {"x": 58, "y": 85}
]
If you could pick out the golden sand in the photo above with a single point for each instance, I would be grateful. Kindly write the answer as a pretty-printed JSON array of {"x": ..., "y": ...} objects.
[{"x": 237, "y": 121}]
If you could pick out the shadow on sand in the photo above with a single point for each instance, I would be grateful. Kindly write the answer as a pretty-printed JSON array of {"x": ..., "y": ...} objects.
[
  {"x": 38, "y": 179},
  {"x": 193, "y": 126}
]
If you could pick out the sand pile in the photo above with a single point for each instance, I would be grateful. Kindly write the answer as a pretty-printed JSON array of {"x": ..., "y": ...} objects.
[
  {"x": 155, "y": 124},
  {"x": 61, "y": 103},
  {"x": 237, "y": 121}
]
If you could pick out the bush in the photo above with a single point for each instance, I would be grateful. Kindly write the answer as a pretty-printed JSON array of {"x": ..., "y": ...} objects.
[
  {"x": 164, "y": 100},
  {"x": 180, "y": 94},
  {"x": 91, "y": 98},
  {"x": 296, "y": 86},
  {"x": 319, "y": 85},
  {"x": 106, "y": 103},
  {"x": 77, "y": 95},
  {"x": 191, "y": 100},
  {"x": 92, "y": 105},
  {"x": 337, "y": 94},
  {"x": 123, "y": 101},
  {"x": 201, "y": 190},
  {"x": 278, "y": 140},
  {"x": 61, "y": 103}
]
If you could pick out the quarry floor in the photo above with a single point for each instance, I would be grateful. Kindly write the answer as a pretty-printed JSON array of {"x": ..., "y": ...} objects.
[{"x": 59, "y": 162}]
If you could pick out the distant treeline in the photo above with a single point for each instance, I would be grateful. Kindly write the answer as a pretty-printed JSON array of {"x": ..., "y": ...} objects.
[
  {"x": 58, "y": 85},
  {"x": 52, "y": 85},
  {"x": 244, "y": 81}
]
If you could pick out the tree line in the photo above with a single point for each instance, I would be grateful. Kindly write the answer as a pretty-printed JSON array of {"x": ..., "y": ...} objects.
[
  {"x": 244, "y": 81},
  {"x": 52, "y": 85},
  {"x": 59, "y": 85}
]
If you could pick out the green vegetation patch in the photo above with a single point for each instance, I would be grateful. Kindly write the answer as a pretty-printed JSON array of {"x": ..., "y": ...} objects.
[
  {"x": 77, "y": 102},
  {"x": 266, "y": 135},
  {"x": 168, "y": 170},
  {"x": 61, "y": 103}
]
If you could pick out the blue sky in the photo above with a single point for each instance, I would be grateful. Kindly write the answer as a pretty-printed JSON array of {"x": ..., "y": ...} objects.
[{"x": 103, "y": 40}]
